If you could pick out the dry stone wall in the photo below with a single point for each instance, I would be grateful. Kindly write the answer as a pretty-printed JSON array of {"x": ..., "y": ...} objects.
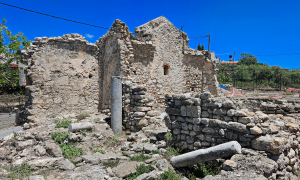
[
  {"x": 270, "y": 105},
  {"x": 137, "y": 107},
  {"x": 199, "y": 121},
  {"x": 62, "y": 76}
]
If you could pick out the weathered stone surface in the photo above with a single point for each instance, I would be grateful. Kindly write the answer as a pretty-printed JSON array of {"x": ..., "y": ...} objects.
[
  {"x": 4, "y": 152},
  {"x": 53, "y": 149},
  {"x": 237, "y": 127},
  {"x": 65, "y": 164},
  {"x": 47, "y": 162},
  {"x": 23, "y": 144},
  {"x": 39, "y": 150},
  {"x": 126, "y": 168},
  {"x": 95, "y": 158},
  {"x": 37, "y": 177},
  {"x": 229, "y": 165},
  {"x": 148, "y": 148},
  {"x": 162, "y": 165},
  {"x": 255, "y": 130},
  {"x": 275, "y": 145}
]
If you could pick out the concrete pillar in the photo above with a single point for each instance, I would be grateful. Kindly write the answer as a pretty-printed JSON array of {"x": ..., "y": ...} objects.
[
  {"x": 80, "y": 126},
  {"x": 116, "y": 104},
  {"x": 203, "y": 155}
]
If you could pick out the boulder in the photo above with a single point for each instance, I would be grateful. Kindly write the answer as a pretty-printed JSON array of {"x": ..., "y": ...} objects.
[{"x": 275, "y": 145}]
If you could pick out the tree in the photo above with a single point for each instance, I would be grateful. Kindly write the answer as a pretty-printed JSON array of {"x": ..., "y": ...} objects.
[
  {"x": 248, "y": 59},
  {"x": 199, "y": 47},
  {"x": 10, "y": 52}
]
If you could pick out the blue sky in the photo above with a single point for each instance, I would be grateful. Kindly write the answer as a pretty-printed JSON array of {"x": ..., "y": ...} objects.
[{"x": 258, "y": 27}]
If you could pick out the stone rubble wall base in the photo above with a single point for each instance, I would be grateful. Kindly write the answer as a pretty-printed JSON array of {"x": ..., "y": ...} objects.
[
  {"x": 198, "y": 121},
  {"x": 137, "y": 107}
]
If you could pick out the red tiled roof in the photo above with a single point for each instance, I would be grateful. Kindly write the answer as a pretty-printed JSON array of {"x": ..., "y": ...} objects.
[{"x": 229, "y": 62}]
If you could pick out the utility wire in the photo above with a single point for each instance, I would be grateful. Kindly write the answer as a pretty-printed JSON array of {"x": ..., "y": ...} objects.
[
  {"x": 266, "y": 54},
  {"x": 53, "y": 16}
]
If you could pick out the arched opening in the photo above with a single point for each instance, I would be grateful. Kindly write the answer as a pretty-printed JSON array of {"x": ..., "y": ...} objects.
[{"x": 166, "y": 69}]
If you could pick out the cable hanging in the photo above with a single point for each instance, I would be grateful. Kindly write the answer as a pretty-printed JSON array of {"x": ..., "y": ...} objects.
[{"x": 52, "y": 16}]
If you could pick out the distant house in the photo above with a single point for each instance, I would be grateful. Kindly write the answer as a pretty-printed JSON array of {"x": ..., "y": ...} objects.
[{"x": 229, "y": 62}]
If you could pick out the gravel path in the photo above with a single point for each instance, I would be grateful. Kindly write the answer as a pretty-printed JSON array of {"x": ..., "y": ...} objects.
[{"x": 7, "y": 131}]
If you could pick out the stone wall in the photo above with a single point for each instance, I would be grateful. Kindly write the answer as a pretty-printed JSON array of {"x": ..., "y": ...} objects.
[
  {"x": 137, "y": 107},
  {"x": 62, "y": 76},
  {"x": 269, "y": 105},
  {"x": 199, "y": 121}
]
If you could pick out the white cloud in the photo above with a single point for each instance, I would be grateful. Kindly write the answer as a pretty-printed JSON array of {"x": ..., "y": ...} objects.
[{"x": 89, "y": 36}]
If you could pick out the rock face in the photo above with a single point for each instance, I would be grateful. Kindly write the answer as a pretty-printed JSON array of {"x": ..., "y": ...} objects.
[
  {"x": 275, "y": 145},
  {"x": 65, "y": 164},
  {"x": 46, "y": 162}
]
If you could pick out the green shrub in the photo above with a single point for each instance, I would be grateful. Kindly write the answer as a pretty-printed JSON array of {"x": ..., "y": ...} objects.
[
  {"x": 111, "y": 163},
  {"x": 288, "y": 93},
  {"x": 169, "y": 139},
  {"x": 63, "y": 123},
  {"x": 97, "y": 150},
  {"x": 82, "y": 116},
  {"x": 70, "y": 151},
  {"x": 169, "y": 175},
  {"x": 19, "y": 172},
  {"x": 172, "y": 151},
  {"x": 140, "y": 158},
  {"x": 141, "y": 169},
  {"x": 154, "y": 151},
  {"x": 204, "y": 169},
  {"x": 115, "y": 140},
  {"x": 59, "y": 137},
  {"x": 96, "y": 120}
]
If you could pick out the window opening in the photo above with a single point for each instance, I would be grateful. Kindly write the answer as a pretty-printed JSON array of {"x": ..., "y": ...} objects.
[{"x": 166, "y": 69}]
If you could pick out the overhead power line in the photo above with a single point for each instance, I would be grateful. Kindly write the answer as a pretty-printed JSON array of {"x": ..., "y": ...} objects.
[
  {"x": 267, "y": 54},
  {"x": 52, "y": 16}
]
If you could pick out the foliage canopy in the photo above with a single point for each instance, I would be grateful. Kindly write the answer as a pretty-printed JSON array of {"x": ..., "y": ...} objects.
[{"x": 10, "y": 52}]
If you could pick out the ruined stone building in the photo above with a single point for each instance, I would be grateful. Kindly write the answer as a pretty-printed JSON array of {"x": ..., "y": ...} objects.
[{"x": 68, "y": 75}]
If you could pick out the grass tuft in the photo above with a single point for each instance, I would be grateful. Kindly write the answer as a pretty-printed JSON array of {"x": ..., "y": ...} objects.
[
  {"x": 82, "y": 116},
  {"x": 97, "y": 150},
  {"x": 169, "y": 175},
  {"x": 139, "y": 158},
  {"x": 141, "y": 169}
]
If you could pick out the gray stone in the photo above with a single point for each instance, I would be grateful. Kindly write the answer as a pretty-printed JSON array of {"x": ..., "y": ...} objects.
[
  {"x": 39, "y": 150},
  {"x": 125, "y": 168},
  {"x": 229, "y": 165},
  {"x": 80, "y": 126},
  {"x": 95, "y": 158},
  {"x": 208, "y": 130},
  {"x": 193, "y": 111},
  {"x": 36, "y": 177},
  {"x": 162, "y": 165},
  {"x": 204, "y": 114},
  {"x": 44, "y": 163},
  {"x": 149, "y": 147},
  {"x": 237, "y": 127},
  {"x": 275, "y": 145},
  {"x": 53, "y": 149},
  {"x": 205, "y": 121},
  {"x": 65, "y": 164},
  {"x": 203, "y": 155},
  {"x": 205, "y": 95}
]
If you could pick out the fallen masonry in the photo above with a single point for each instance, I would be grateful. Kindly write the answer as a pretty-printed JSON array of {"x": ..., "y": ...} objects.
[{"x": 209, "y": 154}]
